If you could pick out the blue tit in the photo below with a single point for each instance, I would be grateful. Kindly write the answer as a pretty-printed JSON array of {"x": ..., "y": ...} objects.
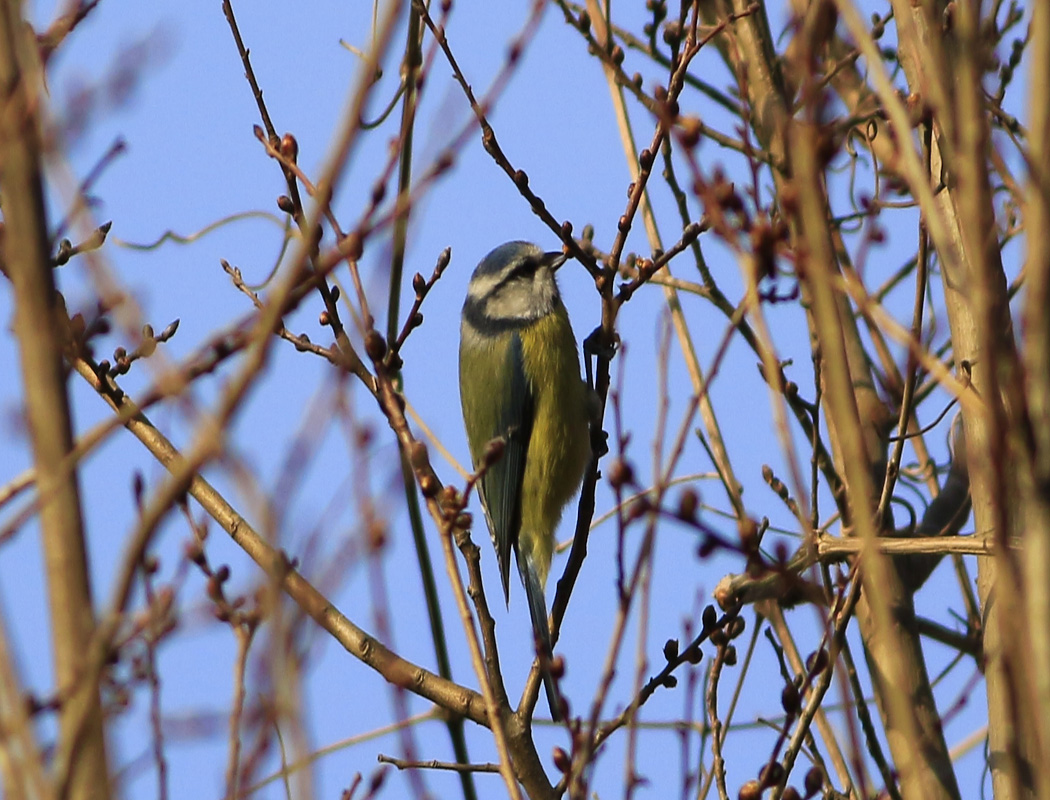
[{"x": 519, "y": 382}]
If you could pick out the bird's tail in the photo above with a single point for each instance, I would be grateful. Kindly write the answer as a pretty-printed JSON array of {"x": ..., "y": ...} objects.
[{"x": 541, "y": 630}]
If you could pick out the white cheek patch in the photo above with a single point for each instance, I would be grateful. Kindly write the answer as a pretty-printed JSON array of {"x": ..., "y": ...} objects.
[
  {"x": 544, "y": 289},
  {"x": 513, "y": 301},
  {"x": 523, "y": 297}
]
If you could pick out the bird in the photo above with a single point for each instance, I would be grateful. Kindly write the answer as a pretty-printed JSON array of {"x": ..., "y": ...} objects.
[{"x": 520, "y": 385}]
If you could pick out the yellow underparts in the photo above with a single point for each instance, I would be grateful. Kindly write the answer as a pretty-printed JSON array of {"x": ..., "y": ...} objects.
[{"x": 559, "y": 448}]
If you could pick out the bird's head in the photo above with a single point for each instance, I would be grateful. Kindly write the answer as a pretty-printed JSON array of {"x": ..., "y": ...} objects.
[{"x": 513, "y": 285}]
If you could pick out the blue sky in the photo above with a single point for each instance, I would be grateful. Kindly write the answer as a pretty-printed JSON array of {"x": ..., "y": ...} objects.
[{"x": 191, "y": 159}]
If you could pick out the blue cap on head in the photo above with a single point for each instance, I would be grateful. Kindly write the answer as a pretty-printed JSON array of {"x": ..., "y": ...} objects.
[{"x": 499, "y": 257}]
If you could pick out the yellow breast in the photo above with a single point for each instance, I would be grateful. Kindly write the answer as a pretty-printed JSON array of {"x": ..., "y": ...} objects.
[{"x": 559, "y": 448}]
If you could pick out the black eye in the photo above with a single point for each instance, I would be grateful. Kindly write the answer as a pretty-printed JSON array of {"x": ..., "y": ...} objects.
[{"x": 526, "y": 267}]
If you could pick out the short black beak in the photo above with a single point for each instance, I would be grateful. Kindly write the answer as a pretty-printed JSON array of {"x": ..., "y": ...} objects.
[{"x": 554, "y": 260}]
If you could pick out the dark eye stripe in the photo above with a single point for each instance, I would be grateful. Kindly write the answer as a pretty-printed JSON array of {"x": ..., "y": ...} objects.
[{"x": 525, "y": 267}]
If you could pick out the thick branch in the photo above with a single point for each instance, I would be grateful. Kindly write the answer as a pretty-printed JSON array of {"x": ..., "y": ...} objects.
[
  {"x": 39, "y": 328},
  {"x": 978, "y": 315},
  {"x": 856, "y": 415}
]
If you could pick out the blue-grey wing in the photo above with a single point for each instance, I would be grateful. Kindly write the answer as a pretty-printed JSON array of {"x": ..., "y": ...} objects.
[{"x": 501, "y": 485}]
